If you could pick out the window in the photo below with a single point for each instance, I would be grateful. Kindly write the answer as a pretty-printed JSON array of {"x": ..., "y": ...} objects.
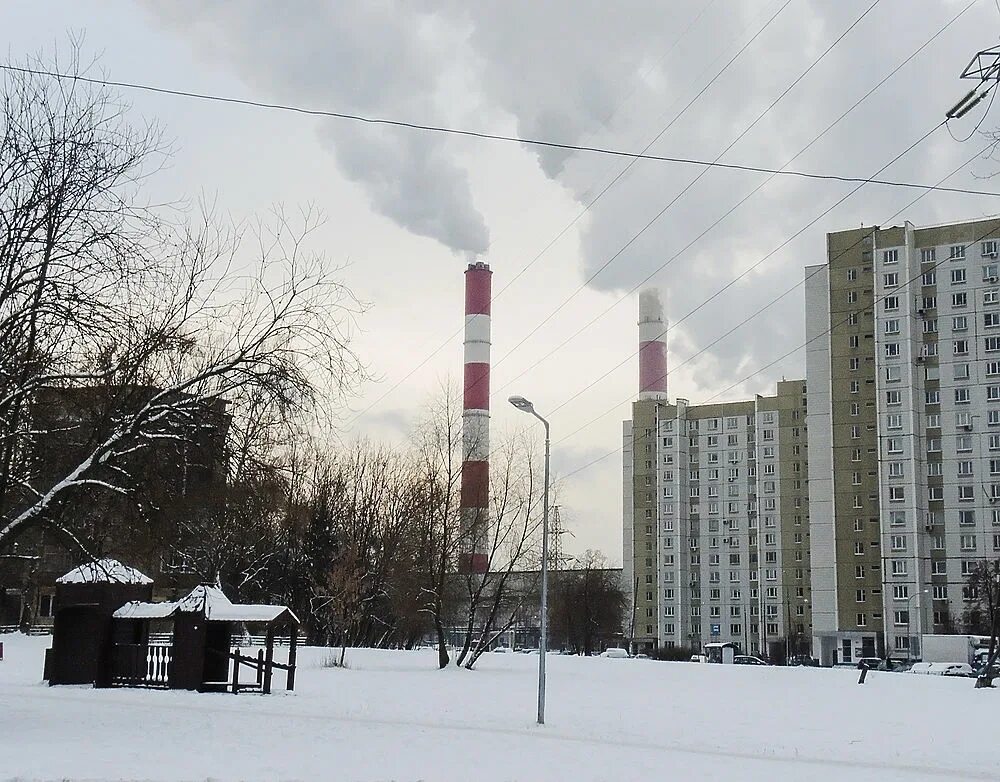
[
  {"x": 930, "y": 326},
  {"x": 967, "y": 542},
  {"x": 967, "y": 518},
  {"x": 897, "y": 494},
  {"x": 928, "y": 278},
  {"x": 890, "y": 256},
  {"x": 959, "y": 299},
  {"x": 859, "y": 595},
  {"x": 859, "y": 548},
  {"x": 991, "y": 296},
  {"x": 958, "y": 276},
  {"x": 991, "y": 272},
  {"x": 960, "y": 323},
  {"x": 892, "y": 350},
  {"x": 893, "y": 445},
  {"x": 899, "y": 567},
  {"x": 894, "y": 421},
  {"x": 852, "y": 319},
  {"x": 935, "y": 493},
  {"x": 852, "y": 297},
  {"x": 928, "y": 302},
  {"x": 989, "y": 247},
  {"x": 895, "y": 397},
  {"x": 892, "y": 326},
  {"x": 965, "y": 468},
  {"x": 897, "y": 518},
  {"x": 961, "y": 347},
  {"x": 933, "y": 420},
  {"x": 966, "y": 493},
  {"x": 856, "y": 386},
  {"x": 960, "y": 372},
  {"x": 934, "y": 469},
  {"x": 890, "y": 280},
  {"x": 927, "y": 255},
  {"x": 963, "y": 443},
  {"x": 992, "y": 344},
  {"x": 900, "y": 592},
  {"x": 890, "y": 303},
  {"x": 991, "y": 320},
  {"x": 895, "y": 471},
  {"x": 852, "y": 275},
  {"x": 901, "y": 618},
  {"x": 933, "y": 445},
  {"x": 956, "y": 251},
  {"x": 962, "y": 396}
]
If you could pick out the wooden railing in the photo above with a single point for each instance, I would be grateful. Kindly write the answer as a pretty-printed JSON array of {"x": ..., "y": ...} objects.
[{"x": 141, "y": 665}]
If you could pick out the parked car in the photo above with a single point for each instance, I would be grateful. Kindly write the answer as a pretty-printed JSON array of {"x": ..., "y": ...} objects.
[
  {"x": 746, "y": 659},
  {"x": 872, "y": 663},
  {"x": 921, "y": 668},
  {"x": 616, "y": 654},
  {"x": 804, "y": 660},
  {"x": 502, "y": 650},
  {"x": 642, "y": 656},
  {"x": 951, "y": 669},
  {"x": 698, "y": 658}
]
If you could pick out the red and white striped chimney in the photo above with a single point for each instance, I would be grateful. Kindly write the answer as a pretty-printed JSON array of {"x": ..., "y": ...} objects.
[
  {"x": 652, "y": 346},
  {"x": 476, "y": 418}
]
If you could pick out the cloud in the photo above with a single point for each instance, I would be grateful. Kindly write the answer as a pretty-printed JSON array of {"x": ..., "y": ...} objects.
[{"x": 366, "y": 58}]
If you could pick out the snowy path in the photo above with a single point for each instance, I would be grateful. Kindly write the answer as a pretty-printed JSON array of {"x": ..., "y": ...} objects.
[{"x": 393, "y": 717}]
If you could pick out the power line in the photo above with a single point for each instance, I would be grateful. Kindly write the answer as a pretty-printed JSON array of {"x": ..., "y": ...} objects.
[
  {"x": 689, "y": 185},
  {"x": 784, "y": 356},
  {"x": 741, "y": 167},
  {"x": 730, "y": 212},
  {"x": 590, "y": 204}
]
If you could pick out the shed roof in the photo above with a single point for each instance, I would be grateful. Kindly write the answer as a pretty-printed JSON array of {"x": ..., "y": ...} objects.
[
  {"x": 209, "y": 600},
  {"x": 104, "y": 571}
]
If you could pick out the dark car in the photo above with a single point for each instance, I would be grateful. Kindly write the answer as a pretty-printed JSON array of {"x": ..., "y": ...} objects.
[
  {"x": 871, "y": 663},
  {"x": 804, "y": 660},
  {"x": 746, "y": 659}
]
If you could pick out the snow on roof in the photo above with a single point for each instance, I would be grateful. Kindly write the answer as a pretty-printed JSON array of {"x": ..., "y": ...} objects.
[
  {"x": 207, "y": 599},
  {"x": 104, "y": 571},
  {"x": 136, "y": 609}
]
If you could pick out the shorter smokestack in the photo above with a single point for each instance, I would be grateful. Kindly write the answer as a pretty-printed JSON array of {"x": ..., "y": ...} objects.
[{"x": 652, "y": 346}]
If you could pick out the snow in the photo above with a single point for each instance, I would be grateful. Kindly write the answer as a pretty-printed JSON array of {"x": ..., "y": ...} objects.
[
  {"x": 392, "y": 716},
  {"x": 104, "y": 571},
  {"x": 212, "y": 600}
]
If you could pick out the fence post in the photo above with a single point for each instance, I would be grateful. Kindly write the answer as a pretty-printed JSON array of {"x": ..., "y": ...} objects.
[
  {"x": 236, "y": 671},
  {"x": 269, "y": 659},
  {"x": 293, "y": 637},
  {"x": 260, "y": 667}
]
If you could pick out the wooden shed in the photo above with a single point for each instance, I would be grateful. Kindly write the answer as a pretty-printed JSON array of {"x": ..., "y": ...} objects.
[
  {"x": 200, "y": 655},
  {"x": 86, "y": 599}
]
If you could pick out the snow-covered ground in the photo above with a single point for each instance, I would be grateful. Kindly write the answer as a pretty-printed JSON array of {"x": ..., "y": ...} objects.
[{"x": 392, "y": 716}]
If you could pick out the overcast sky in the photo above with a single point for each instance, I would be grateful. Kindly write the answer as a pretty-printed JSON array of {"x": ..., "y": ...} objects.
[{"x": 407, "y": 209}]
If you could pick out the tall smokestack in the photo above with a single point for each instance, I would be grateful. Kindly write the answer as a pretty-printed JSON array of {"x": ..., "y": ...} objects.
[
  {"x": 652, "y": 346},
  {"x": 476, "y": 418}
]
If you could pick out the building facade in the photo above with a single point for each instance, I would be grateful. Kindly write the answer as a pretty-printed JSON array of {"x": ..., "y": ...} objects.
[
  {"x": 716, "y": 523},
  {"x": 903, "y": 368}
]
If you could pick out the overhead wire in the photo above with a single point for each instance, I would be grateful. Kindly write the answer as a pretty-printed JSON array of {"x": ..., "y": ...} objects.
[
  {"x": 729, "y": 212},
  {"x": 785, "y": 355}
]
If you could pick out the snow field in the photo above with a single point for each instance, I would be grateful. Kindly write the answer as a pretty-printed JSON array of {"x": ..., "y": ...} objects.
[{"x": 393, "y": 716}]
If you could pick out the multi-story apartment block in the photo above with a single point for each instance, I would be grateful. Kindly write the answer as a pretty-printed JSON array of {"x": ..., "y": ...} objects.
[
  {"x": 903, "y": 367},
  {"x": 716, "y": 522}
]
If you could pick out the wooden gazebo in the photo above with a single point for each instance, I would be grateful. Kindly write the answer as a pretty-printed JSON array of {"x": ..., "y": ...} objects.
[{"x": 199, "y": 656}]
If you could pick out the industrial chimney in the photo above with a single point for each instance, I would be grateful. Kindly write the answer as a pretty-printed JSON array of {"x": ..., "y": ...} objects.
[
  {"x": 475, "y": 492},
  {"x": 652, "y": 346}
]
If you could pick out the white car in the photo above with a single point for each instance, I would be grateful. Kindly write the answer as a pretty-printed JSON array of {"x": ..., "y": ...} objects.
[
  {"x": 617, "y": 654},
  {"x": 502, "y": 650},
  {"x": 950, "y": 669}
]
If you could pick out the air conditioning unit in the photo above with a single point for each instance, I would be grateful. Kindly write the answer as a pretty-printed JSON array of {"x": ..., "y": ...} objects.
[
  {"x": 992, "y": 279},
  {"x": 929, "y": 527},
  {"x": 920, "y": 313},
  {"x": 921, "y": 358},
  {"x": 991, "y": 254},
  {"x": 967, "y": 427}
]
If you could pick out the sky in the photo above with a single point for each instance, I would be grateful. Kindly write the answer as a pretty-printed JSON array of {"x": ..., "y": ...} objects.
[{"x": 570, "y": 236}]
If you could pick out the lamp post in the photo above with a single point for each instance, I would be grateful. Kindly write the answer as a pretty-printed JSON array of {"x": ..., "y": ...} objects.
[
  {"x": 525, "y": 406},
  {"x": 909, "y": 638}
]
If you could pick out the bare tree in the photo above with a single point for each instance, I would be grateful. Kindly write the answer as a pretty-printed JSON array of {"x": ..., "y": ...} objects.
[
  {"x": 588, "y": 604},
  {"x": 983, "y": 594},
  {"x": 164, "y": 318}
]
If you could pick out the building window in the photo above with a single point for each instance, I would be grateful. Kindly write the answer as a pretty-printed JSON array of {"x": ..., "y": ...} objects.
[
  {"x": 958, "y": 276},
  {"x": 967, "y": 542},
  {"x": 927, "y": 254},
  {"x": 956, "y": 251},
  {"x": 959, "y": 299},
  {"x": 890, "y": 256}
]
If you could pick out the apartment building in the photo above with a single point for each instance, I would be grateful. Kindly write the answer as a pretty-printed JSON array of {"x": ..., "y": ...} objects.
[
  {"x": 715, "y": 521},
  {"x": 903, "y": 368}
]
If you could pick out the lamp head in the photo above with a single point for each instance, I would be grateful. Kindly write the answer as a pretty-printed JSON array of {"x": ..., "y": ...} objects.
[{"x": 521, "y": 404}]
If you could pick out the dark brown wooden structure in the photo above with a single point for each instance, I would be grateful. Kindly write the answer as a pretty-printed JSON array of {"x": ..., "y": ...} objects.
[
  {"x": 86, "y": 599},
  {"x": 200, "y": 656}
]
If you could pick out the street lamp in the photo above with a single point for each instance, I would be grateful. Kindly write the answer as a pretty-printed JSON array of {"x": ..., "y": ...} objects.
[
  {"x": 525, "y": 406},
  {"x": 909, "y": 638}
]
